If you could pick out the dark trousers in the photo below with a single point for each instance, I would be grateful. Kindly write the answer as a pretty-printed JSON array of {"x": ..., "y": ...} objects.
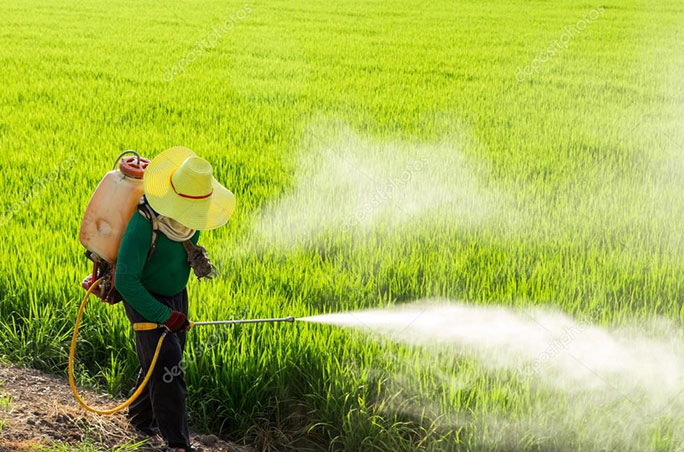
[{"x": 162, "y": 403}]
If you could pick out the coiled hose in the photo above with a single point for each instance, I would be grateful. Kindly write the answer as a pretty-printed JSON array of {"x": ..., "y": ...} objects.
[{"x": 72, "y": 357}]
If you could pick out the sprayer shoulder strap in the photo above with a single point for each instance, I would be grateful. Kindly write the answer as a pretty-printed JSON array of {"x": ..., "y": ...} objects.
[{"x": 147, "y": 212}]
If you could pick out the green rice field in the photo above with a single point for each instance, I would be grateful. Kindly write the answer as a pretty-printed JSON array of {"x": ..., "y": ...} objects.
[{"x": 506, "y": 153}]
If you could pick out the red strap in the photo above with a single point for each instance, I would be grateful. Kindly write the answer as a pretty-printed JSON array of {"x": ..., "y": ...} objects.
[{"x": 189, "y": 196}]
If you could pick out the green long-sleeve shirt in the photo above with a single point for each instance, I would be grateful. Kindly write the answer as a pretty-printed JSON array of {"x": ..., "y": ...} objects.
[{"x": 166, "y": 273}]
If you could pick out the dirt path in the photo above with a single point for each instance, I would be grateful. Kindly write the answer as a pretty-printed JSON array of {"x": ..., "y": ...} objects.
[{"x": 42, "y": 411}]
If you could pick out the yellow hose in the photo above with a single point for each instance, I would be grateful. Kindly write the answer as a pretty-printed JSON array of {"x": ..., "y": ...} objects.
[{"x": 72, "y": 355}]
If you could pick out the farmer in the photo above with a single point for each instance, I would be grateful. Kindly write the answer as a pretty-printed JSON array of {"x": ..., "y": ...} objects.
[{"x": 181, "y": 197}]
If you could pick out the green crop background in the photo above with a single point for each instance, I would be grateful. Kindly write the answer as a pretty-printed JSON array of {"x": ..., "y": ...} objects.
[{"x": 587, "y": 152}]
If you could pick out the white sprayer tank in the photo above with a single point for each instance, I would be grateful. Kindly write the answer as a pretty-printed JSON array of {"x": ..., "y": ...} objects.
[{"x": 111, "y": 207}]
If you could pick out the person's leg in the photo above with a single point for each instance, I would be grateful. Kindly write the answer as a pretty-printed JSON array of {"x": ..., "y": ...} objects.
[
  {"x": 168, "y": 393},
  {"x": 140, "y": 412},
  {"x": 167, "y": 386}
]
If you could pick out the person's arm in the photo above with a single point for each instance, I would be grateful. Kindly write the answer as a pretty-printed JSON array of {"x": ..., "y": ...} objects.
[{"x": 129, "y": 266}]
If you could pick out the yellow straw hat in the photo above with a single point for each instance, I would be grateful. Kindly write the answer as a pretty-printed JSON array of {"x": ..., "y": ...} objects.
[{"x": 181, "y": 185}]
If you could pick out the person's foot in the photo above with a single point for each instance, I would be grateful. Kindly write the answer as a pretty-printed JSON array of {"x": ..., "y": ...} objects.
[{"x": 147, "y": 430}]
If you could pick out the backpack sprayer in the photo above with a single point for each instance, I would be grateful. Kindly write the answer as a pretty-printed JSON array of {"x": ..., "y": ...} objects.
[{"x": 111, "y": 207}]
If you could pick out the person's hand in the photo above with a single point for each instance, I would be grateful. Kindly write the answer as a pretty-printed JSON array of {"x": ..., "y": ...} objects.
[{"x": 177, "y": 322}]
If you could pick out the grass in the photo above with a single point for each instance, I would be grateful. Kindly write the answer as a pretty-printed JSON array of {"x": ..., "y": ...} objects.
[
  {"x": 580, "y": 164},
  {"x": 89, "y": 446},
  {"x": 5, "y": 405}
]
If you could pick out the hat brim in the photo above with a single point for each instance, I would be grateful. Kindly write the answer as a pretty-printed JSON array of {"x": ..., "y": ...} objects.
[{"x": 201, "y": 214}]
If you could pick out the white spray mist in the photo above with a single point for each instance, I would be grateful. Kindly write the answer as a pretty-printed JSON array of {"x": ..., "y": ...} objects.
[
  {"x": 347, "y": 183},
  {"x": 615, "y": 384}
]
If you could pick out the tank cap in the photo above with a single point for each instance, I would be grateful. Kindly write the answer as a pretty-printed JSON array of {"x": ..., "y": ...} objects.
[{"x": 133, "y": 166}]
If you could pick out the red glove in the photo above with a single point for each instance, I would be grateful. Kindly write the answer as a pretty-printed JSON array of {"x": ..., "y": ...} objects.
[{"x": 177, "y": 322}]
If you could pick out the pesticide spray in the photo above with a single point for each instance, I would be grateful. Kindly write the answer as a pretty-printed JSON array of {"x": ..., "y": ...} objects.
[
  {"x": 564, "y": 352},
  {"x": 612, "y": 387}
]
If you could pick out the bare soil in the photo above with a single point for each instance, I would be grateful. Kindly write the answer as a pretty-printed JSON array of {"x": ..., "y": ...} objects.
[{"x": 42, "y": 412}]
